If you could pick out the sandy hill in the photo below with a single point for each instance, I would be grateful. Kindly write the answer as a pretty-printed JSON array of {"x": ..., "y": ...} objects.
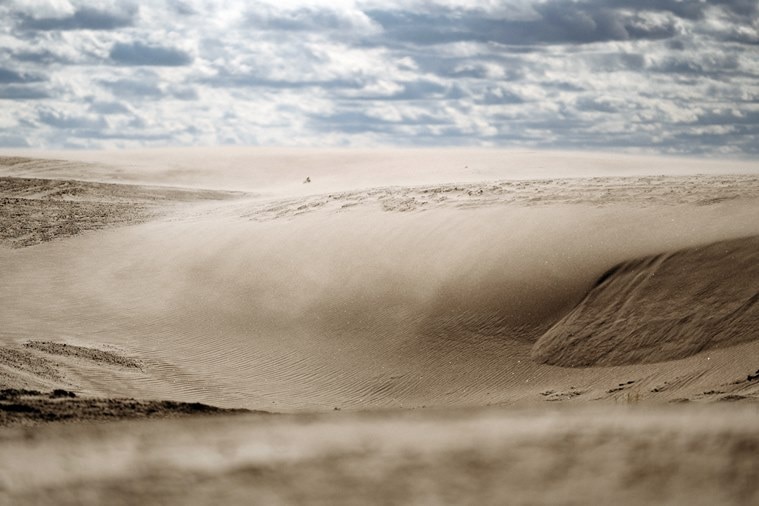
[
  {"x": 441, "y": 327},
  {"x": 375, "y": 287},
  {"x": 662, "y": 307}
]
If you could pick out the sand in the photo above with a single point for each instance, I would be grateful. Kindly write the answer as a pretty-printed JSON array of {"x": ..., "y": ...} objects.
[
  {"x": 588, "y": 455},
  {"x": 661, "y": 308},
  {"x": 437, "y": 283},
  {"x": 23, "y": 407},
  {"x": 36, "y": 210}
]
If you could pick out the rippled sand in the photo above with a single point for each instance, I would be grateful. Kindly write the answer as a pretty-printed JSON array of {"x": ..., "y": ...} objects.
[{"x": 397, "y": 280}]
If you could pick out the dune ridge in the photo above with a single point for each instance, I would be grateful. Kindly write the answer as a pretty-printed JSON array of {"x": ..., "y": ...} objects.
[
  {"x": 279, "y": 171},
  {"x": 642, "y": 191},
  {"x": 662, "y": 307}
]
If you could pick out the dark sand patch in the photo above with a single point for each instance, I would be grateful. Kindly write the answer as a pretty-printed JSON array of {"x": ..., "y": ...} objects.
[
  {"x": 26, "y": 222},
  {"x": 93, "y": 354},
  {"x": 662, "y": 308},
  {"x": 38, "y": 382},
  {"x": 39, "y": 210},
  {"x": 32, "y": 407},
  {"x": 18, "y": 363}
]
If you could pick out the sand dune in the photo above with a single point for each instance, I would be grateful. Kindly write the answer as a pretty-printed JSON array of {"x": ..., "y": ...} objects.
[
  {"x": 36, "y": 210},
  {"x": 661, "y": 308},
  {"x": 280, "y": 172},
  {"x": 561, "y": 299},
  {"x": 370, "y": 297}
]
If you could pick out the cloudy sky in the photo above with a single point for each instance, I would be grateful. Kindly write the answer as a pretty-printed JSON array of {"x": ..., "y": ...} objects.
[{"x": 667, "y": 76}]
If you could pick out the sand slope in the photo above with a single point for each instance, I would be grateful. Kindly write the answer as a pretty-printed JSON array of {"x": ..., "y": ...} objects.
[
  {"x": 587, "y": 456},
  {"x": 411, "y": 280},
  {"x": 34, "y": 210},
  {"x": 661, "y": 308},
  {"x": 359, "y": 297},
  {"x": 32, "y": 407}
]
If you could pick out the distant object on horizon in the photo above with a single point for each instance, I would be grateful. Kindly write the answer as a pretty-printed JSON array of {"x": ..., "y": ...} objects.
[{"x": 308, "y": 180}]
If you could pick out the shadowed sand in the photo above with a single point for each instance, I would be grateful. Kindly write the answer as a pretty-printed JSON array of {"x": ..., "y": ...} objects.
[
  {"x": 32, "y": 407},
  {"x": 661, "y": 308},
  {"x": 379, "y": 287}
]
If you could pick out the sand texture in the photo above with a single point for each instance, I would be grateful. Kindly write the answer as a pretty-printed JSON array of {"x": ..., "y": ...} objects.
[
  {"x": 585, "y": 456},
  {"x": 39, "y": 210},
  {"x": 32, "y": 407},
  {"x": 661, "y": 308},
  {"x": 420, "y": 319}
]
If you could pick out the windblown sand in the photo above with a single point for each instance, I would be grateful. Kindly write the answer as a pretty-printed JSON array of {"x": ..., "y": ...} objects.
[{"x": 398, "y": 280}]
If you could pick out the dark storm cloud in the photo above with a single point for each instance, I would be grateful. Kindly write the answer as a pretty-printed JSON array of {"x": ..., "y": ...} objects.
[
  {"x": 694, "y": 142},
  {"x": 592, "y": 104},
  {"x": 699, "y": 65},
  {"x": 147, "y": 88},
  {"x": 85, "y": 18},
  {"x": 615, "y": 61},
  {"x": 69, "y": 122},
  {"x": 107, "y": 108},
  {"x": 578, "y": 22},
  {"x": 133, "y": 88},
  {"x": 741, "y": 37},
  {"x": 44, "y": 56},
  {"x": 686, "y": 9},
  {"x": 418, "y": 90},
  {"x": 130, "y": 136},
  {"x": 16, "y": 92},
  {"x": 13, "y": 141},
  {"x": 734, "y": 117},
  {"x": 350, "y": 122},
  {"x": 184, "y": 93},
  {"x": 510, "y": 67},
  {"x": 224, "y": 79},
  {"x": 692, "y": 9},
  {"x": 745, "y": 9},
  {"x": 13, "y": 76},
  {"x": 562, "y": 22},
  {"x": 355, "y": 121},
  {"x": 137, "y": 54},
  {"x": 563, "y": 86},
  {"x": 183, "y": 8},
  {"x": 557, "y": 22},
  {"x": 499, "y": 96},
  {"x": 302, "y": 19}
]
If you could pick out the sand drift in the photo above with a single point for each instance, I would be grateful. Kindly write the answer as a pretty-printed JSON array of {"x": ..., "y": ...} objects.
[
  {"x": 432, "y": 295},
  {"x": 662, "y": 307}
]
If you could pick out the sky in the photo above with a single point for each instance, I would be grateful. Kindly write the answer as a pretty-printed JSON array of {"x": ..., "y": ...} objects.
[{"x": 653, "y": 76}]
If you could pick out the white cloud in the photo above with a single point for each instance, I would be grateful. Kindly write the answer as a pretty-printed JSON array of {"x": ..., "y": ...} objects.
[
  {"x": 351, "y": 72},
  {"x": 43, "y": 8}
]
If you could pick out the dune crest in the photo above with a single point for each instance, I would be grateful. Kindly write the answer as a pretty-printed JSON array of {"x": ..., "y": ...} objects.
[{"x": 660, "y": 308}]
